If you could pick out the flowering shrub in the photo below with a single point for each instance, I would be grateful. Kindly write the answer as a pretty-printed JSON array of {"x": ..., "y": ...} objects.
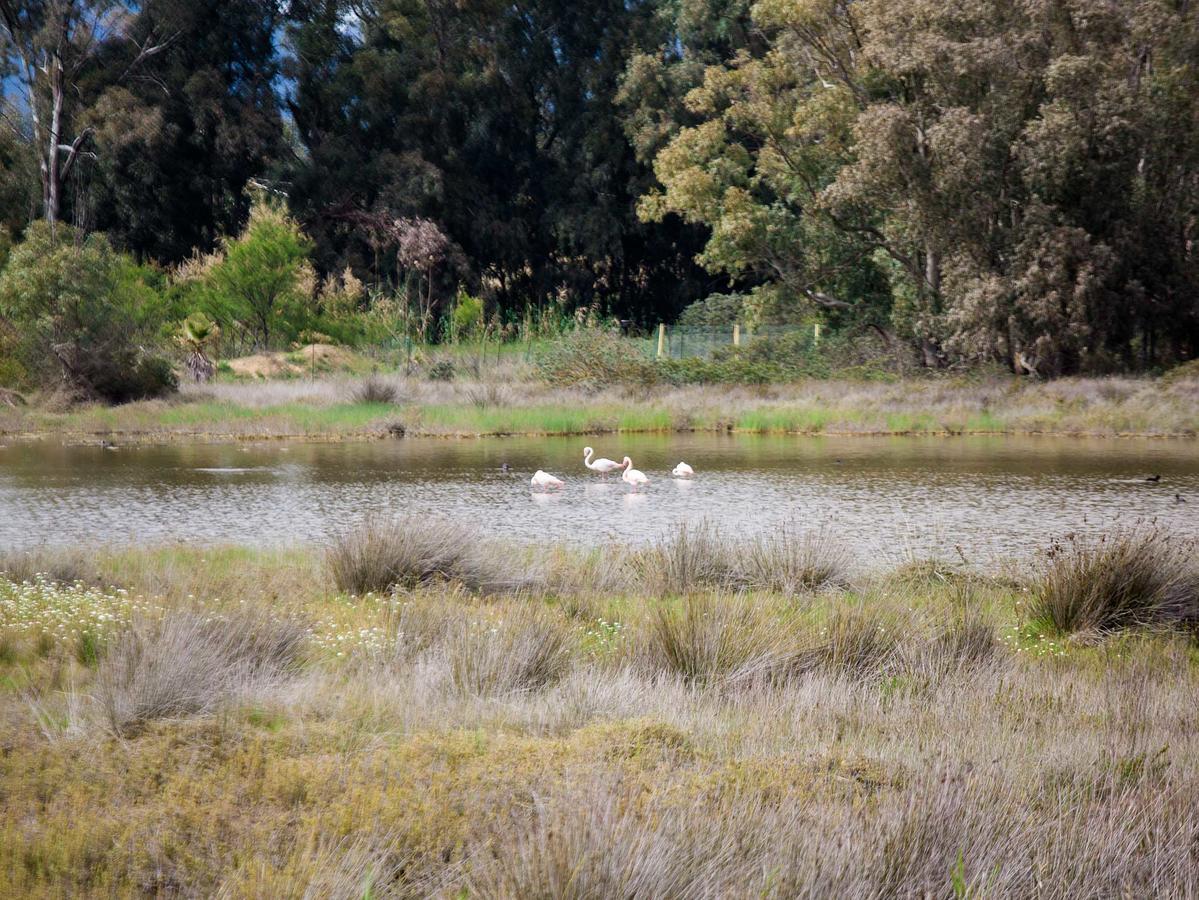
[{"x": 49, "y": 613}]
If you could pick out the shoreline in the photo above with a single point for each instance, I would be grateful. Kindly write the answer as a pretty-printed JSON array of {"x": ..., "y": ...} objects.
[
  {"x": 339, "y": 410},
  {"x": 149, "y": 438}
]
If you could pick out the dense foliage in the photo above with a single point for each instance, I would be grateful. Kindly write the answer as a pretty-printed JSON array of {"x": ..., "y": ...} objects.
[
  {"x": 81, "y": 315},
  {"x": 988, "y": 181}
]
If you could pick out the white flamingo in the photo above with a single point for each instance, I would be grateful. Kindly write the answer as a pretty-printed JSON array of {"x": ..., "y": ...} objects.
[
  {"x": 682, "y": 470},
  {"x": 635, "y": 477},
  {"x": 604, "y": 466},
  {"x": 544, "y": 480}
]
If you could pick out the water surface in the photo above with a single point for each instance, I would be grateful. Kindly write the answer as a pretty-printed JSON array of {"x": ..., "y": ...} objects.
[{"x": 891, "y": 498}]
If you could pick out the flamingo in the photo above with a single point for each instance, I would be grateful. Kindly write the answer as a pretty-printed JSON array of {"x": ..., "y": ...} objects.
[
  {"x": 604, "y": 466},
  {"x": 542, "y": 479},
  {"x": 682, "y": 470},
  {"x": 633, "y": 476}
]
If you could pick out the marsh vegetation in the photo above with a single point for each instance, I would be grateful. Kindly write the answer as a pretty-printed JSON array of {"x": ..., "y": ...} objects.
[{"x": 462, "y": 718}]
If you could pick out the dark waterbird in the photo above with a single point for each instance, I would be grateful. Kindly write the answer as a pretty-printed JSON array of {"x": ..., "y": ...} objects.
[
  {"x": 1153, "y": 478},
  {"x": 1178, "y": 498}
]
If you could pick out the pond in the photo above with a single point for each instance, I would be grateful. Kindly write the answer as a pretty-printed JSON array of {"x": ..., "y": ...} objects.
[{"x": 891, "y": 498}]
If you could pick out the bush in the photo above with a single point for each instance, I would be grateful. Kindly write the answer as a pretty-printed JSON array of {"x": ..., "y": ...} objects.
[
  {"x": 81, "y": 314},
  {"x": 441, "y": 370},
  {"x": 466, "y": 321},
  {"x": 189, "y": 665},
  {"x": 375, "y": 390},
  {"x": 134, "y": 376},
  {"x": 522, "y": 650},
  {"x": 708, "y": 637},
  {"x": 383, "y": 554},
  {"x": 790, "y": 561},
  {"x": 594, "y": 358},
  {"x": 1119, "y": 580},
  {"x": 259, "y": 284},
  {"x": 715, "y": 309}
]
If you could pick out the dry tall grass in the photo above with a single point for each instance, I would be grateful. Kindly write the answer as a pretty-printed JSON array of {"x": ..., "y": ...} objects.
[
  {"x": 787, "y": 560},
  {"x": 189, "y": 664},
  {"x": 894, "y": 739},
  {"x": 1117, "y": 580},
  {"x": 381, "y": 554}
]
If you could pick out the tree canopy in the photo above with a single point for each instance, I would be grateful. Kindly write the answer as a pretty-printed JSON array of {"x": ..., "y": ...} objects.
[{"x": 1011, "y": 181}]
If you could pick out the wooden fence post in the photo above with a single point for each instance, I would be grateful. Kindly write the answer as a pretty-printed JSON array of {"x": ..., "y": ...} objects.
[
  {"x": 736, "y": 334},
  {"x": 661, "y": 339},
  {"x": 816, "y": 334}
]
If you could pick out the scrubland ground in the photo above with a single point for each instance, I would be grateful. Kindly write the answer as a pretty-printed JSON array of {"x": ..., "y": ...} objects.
[
  {"x": 411, "y": 712},
  {"x": 506, "y": 400}
]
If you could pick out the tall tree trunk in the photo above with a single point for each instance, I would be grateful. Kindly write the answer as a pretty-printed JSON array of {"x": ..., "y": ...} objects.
[
  {"x": 932, "y": 272},
  {"x": 53, "y": 186}
]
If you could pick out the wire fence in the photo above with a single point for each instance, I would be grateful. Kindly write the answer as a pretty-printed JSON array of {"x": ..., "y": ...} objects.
[{"x": 684, "y": 341}]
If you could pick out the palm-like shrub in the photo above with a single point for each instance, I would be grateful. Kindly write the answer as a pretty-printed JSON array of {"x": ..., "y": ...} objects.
[{"x": 197, "y": 333}]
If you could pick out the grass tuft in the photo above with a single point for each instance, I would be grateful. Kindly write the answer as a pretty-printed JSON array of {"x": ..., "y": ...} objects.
[
  {"x": 788, "y": 561},
  {"x": 1118, "y": 580},
  {"x": 61, "y": 565},
  {"x": 707, "y": 637},
  {"x": 381, "y": 554},
  {"x": 688, "y": 558},
  {"x": 375, "y": 390},
  {"x": 854, "y": 642},
  {"x": 791, "y": 561},
  {"x": 521, "y": 649},
  {"x": 188, "y": 664}
]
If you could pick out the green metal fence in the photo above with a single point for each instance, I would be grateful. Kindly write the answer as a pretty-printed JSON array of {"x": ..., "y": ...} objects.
[{"x": 683, "y": 341}]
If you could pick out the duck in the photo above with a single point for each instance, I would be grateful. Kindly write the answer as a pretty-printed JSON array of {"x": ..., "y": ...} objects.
[
  {"x": 1153, "y": 478},
  {"x": 682, "y": 470},
  {"x": 544, "y": 480},
  {"x": 632, "y": 476}
]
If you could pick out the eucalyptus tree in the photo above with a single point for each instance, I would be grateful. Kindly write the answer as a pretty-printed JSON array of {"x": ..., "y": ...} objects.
[
  {"x": 1021, "y": 176},
  {"x": 499, "y": 122},
  {"x": 179, "y": 141},
  {"x": 50, "y": 45}
]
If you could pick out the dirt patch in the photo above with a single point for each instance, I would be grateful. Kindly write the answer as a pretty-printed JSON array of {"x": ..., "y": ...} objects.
[{"x": 279, "y": 364}]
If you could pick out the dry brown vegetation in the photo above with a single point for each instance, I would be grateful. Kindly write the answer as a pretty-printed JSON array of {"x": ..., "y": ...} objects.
[
  {"x": 589, "y": 735},
  {"x": 508, "y": 400}
]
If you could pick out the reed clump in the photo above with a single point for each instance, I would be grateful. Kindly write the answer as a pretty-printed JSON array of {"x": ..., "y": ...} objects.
[
  {"x": 381, "y": 554},
  {"x": 189, "y": 664},
  {"x": 521, "y": 648},
  {"x": 375, "y": 390},
  {"x": 786, "y": 560},
  {"x": 1121, "y": 579}
]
